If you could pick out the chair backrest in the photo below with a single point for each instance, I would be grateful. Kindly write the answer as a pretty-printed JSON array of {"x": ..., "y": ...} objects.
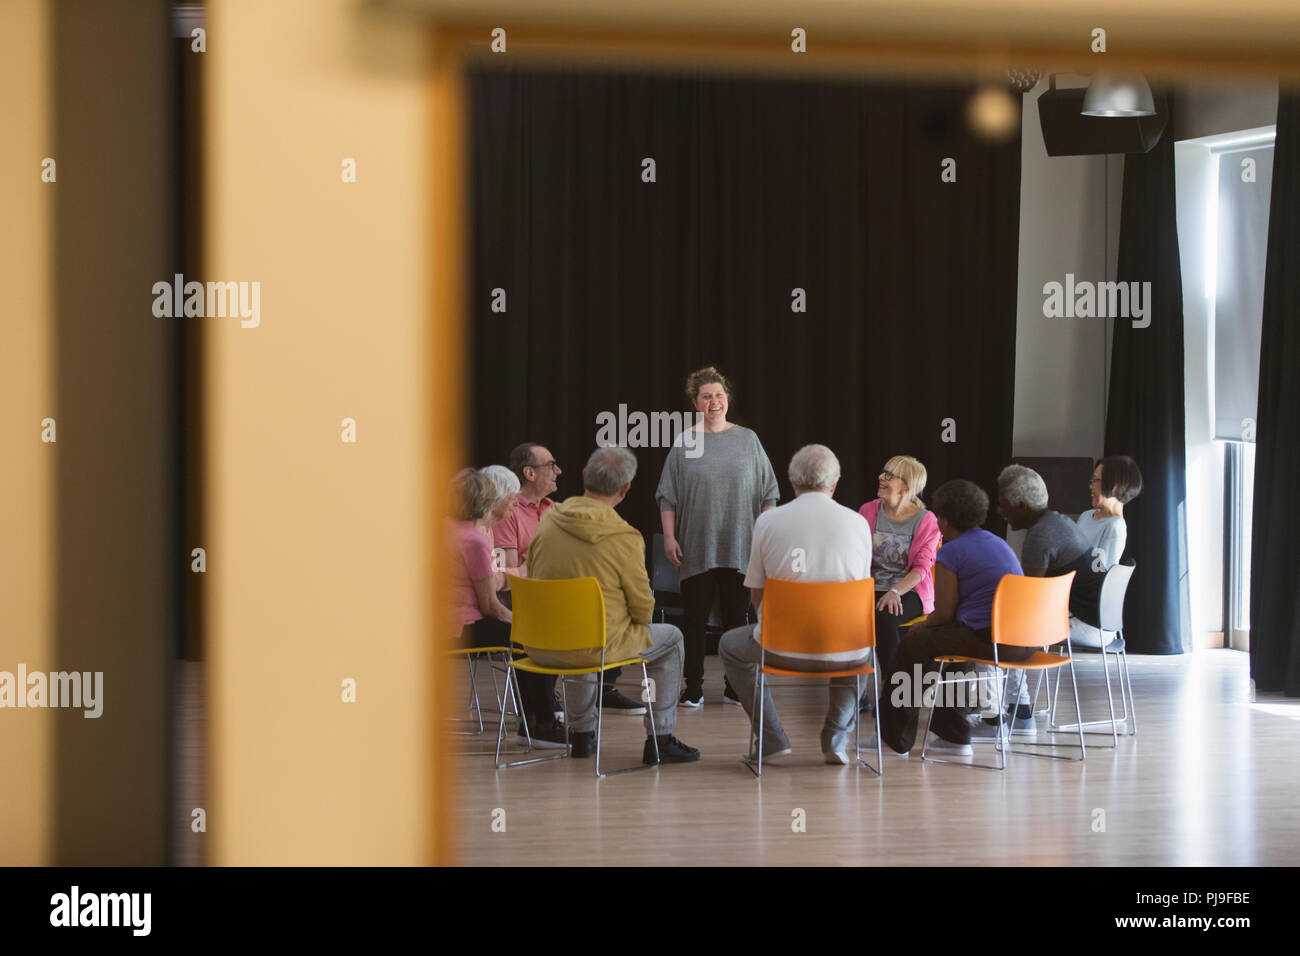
[
  {"x": 1032, "y": 612},
  {"x": 818, "y": 617},
  {"x": 663, "y": 576},
  {"x": 1113, "y": 589},
  {"x": 561, "y": 615}
]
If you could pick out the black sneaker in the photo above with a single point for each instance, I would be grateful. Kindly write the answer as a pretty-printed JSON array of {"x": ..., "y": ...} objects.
[
  {"x": 729, "y": 696},
  {"x": 1021, "y": 712},
  {"x": 614, "y": 702},
  {"x": 552, "y": 735},
  {"x": 671, "y": 750},
  {"x": 691, "y": 699},
  {"x": 584, "y": 743}
]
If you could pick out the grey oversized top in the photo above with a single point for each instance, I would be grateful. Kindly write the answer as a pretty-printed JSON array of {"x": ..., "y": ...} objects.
[{"x": 717, "y": 496}]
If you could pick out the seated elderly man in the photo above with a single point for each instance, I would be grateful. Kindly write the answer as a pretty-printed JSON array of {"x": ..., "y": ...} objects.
[
  {"x": 967, "y": 571},
  {"x": 581, "y": 537},
  {"x": 1055, "y": 545},
  {"x": 833, "y": 544}
]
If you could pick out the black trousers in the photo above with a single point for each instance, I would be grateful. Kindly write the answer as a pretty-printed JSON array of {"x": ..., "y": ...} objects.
[
  {"x": 697, "y": 598},
  {"x": 888, "y": 631},
  {"x": 537, "y": 690},
  {"x": 898, "y": 717}
]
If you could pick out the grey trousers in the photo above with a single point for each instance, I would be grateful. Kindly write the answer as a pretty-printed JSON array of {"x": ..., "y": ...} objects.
[
  {"x": 663, "y": 667},
  {"x": 740, "y": 655}
]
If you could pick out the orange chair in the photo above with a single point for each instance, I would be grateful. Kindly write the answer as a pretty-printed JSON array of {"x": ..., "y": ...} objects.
[
  {"x": 1027, "y": 612},
  {"x": 807, "y": 617}
]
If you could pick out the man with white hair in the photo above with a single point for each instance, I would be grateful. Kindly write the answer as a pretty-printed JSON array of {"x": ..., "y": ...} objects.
[
  {"x": 811, "y": 538},
  {"x": 1054, "y": 546}
]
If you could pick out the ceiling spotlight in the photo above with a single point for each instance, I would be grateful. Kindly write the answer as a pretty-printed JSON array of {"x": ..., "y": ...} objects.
[
  {"x": 1115, "y": 95},
  {"x": 1023, "y": 79},
  {"x": 992, "y": 113}
]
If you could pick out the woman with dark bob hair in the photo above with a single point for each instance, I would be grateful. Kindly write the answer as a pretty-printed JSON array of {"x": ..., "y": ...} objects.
[
  {"x": 1116, "y": 481},
  {"x": 967, "y": 571}
]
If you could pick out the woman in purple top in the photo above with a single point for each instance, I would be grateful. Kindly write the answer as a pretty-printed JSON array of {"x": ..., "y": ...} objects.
[{"x": 967, "y": 572}]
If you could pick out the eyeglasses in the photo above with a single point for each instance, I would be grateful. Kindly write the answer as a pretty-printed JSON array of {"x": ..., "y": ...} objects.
[
  {"x": 547, "y": 464},
  {"x": 888, "y": 475}
]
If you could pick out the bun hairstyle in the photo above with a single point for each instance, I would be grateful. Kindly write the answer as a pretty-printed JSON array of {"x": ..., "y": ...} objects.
[{"x": 705, "y": 376}]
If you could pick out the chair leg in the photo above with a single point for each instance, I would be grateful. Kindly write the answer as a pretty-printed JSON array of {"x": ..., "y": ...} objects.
[
  {"x": 929, "y": 718},
  {"x": 1002, "y": 764},
  {"x": 1130, "y": 712},
  {"x": 600, "y": 714},
  {"x": 650, "y": 712},
  {"x": 754, "y": 711},
  {"x": 879, "y": 768},
  {"x": 1110, "y": 703}
]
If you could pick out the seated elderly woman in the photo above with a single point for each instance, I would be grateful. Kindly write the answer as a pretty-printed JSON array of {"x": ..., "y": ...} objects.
[
  {"x": 1116, "y": 481},
  {"x": 966, "y": 575},
  {"x": 483, "y": 619},
  {"x": 506, "y": 484},
  {"x": 904, "y": 538}
]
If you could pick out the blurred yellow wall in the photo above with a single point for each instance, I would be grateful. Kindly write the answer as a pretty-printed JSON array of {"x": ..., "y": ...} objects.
[
  {"x": 27, "y": 395},
  {"x": 319, "y": 562}
]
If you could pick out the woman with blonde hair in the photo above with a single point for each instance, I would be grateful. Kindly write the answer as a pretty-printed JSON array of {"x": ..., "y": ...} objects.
[
  {"x": 709, "y": 498},
  {"x": 904, "y": 539}
]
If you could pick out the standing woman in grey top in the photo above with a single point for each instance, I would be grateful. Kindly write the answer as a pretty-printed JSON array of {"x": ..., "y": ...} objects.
[{"x": 709, "y": 498}]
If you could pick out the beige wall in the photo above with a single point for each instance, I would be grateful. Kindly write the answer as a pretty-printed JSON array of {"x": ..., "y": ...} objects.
[
  {"x": 318, "y": 559},
  {"x": 26, "y": 395}
]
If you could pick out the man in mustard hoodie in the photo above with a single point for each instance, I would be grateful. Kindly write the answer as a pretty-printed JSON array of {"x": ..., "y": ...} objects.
[{"x": 584, "y": 537}]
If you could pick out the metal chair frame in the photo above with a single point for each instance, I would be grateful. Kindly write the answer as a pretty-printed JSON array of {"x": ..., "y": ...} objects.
[{"x": 756, "y": 766}]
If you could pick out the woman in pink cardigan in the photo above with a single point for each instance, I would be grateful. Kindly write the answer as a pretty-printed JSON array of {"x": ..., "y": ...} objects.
[{"x": 904, "y": 539}]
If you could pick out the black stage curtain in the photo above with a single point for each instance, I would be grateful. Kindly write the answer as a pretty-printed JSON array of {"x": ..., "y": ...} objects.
[
  {"x": 617, "y": 288},
  {"x": 1145, "y": 412},
  {"x": 1274, "y": 559}
]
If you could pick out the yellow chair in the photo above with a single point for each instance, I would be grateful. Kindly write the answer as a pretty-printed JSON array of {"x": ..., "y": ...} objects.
[
  {"x": 817, "y": 617},
  {"x": 563, "y": 615},
  {"x": 1027, "y": 612}
]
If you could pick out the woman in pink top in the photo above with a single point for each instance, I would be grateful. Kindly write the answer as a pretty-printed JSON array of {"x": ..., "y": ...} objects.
[
  {"x": 904, "y": 539},
  {"x": 484, "y": 620}
]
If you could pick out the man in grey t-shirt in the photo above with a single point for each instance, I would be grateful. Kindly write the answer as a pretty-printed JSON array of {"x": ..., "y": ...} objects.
[{"x": 1053, "y": 546}]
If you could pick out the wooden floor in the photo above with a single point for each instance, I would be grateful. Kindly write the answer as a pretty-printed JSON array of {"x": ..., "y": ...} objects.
[{"x": 1210, "y": 780}]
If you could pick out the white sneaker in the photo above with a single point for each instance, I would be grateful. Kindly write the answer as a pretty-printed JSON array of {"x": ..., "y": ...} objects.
[
  {"x": 838, "y": 758},
  {"x": 938, "y": 745}
]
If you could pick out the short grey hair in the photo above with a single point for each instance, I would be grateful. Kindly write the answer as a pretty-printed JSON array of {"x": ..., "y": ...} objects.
[
  {"x": 1019, "y": 486},
  {"x": 472, "y": 495},
  {"x": 504, "y": 481},
  {"x": 608, "y": 470},
  {"x": 814, "y": 468}
]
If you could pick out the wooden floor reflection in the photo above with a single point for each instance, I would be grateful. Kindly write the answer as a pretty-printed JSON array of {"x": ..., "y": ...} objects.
[{"x": 1209, "y": 781}]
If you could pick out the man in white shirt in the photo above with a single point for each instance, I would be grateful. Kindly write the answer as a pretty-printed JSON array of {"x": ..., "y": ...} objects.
[{"x": 808, "y": 539}]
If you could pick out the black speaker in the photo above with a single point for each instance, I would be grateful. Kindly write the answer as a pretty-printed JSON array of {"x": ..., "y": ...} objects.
[{"x": 1068, "y": 133}]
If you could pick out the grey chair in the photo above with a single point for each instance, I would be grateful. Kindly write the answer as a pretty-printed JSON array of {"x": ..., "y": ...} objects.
[
  {"x": 663, "y": 580},
  {"x": 1114, "y": 588}
]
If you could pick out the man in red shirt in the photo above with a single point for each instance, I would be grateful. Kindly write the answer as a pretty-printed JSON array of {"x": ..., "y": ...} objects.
[{"x": 537, "y": 470}]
